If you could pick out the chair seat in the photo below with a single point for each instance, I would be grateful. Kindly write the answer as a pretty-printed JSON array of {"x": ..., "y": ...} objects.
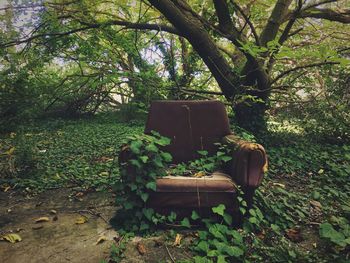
[
  {"x": 176, "y": 193},
  {"x": 216, "y": 182}
]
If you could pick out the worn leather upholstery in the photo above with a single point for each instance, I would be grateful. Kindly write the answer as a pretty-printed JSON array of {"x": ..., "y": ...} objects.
[{"x": 191, "y": 125}]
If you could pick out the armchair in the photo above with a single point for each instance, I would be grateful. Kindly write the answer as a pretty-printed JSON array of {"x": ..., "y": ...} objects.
[{"x": 194, "y": 126}]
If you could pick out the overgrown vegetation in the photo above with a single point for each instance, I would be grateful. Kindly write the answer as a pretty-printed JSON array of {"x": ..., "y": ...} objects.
[
  {"x": 301, "y": 211},
  {"x": 77, "y": 77}
]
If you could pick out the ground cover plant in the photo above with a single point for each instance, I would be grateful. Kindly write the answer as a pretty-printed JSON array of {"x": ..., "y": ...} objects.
[
  {"x": 77, "y": 79},
  {"x": 301, "y": 212}
]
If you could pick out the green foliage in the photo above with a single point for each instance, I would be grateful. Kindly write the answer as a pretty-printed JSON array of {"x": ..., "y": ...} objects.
[
  {"x": 204, "y": 164},
  {"x": 337, "y": 232},
  {"x": 138, "y": 177},
  {"x": 63, "y": 153}
]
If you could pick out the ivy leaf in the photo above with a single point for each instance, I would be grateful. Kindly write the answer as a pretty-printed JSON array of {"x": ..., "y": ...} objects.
[
  {"x": 166, "y": 156},
  {"x": 144, "y": 158},
  {"x": 226, "y": 158},
  {"x": 228, "y": 219},
  {"x": 327, "y": 231},
  {"x": 151, "y": 185},
  {"x": 144, "y": 196},
  {"x": 151, "y": 148},
  {"x": 203, "y": 246},
  {"x": 203, "y": 153},
  {"x": 135, "y": 146},
  {"x": 163, "y": 141},
  {"x": 144, "y": 226},
  {"x": 234, "y": 251},
  {"x": 221, "y": 259},
  {"x": 148, "y": 212},
  {"x": 194, "y": 215},
  {"x": 185, "y": 223},
  {"x": 220, "y": 209},
  {"x": 128, "y": 205}
]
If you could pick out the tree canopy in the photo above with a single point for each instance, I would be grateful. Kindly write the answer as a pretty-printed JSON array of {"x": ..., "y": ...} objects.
[{"x": 254, "y": 55}]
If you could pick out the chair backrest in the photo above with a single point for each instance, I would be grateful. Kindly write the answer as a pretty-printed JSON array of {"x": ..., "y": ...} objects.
[{"x": 191, "y": 126}]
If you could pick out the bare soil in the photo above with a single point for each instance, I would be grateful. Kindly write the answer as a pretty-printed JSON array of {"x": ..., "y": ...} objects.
[{"x": 62, "y": 240}]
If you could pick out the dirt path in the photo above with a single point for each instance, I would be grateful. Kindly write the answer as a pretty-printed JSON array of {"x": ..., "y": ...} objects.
[{"x": 62, "y": 240}]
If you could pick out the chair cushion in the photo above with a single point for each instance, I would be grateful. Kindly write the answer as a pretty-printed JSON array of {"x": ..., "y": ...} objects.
[
  {"x": 216, "y": 182},
  {"x": 186, "y": 193}
]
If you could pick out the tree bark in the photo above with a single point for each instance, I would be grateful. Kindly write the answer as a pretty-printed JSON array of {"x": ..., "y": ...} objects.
[{"x": 181, "y": 16}]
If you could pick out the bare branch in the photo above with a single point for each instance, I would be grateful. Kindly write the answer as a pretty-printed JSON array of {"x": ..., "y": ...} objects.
[
  {"x": 246, "y": 18},
  {"x": 225, "y": 22},
  {"x": 127, "y": 25},
  {"x": 302, "y": 67},
  {"x": 342, "y": 16}
]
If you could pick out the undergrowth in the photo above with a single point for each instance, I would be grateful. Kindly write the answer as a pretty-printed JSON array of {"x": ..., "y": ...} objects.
[{"x": 301, "y": 212}]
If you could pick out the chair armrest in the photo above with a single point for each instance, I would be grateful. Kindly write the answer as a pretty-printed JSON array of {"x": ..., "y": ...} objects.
[{"x": 249, "y": 161}]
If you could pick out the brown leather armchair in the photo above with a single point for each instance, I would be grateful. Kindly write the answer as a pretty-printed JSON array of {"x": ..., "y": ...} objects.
[{"x": 194, "y": 126}]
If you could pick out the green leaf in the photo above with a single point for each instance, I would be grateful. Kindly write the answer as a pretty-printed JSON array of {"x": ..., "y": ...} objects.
[
  {"x": 163, "y": 141},
  {"x": 128, "y": 205},
  {"x": 226, "y": 158},
  {"x": 151, "y": 148},
  {"x": 203, "y": 246},
  {"x": 144, "y": 226},
  {"x": 135, "y": 146},
  {"x": 166, "y": 156},
  {"x": 144, "y": 196},
  {"x": 327, "y": 231},
  {"x": 185, "y": 223},
  {"x": 144, "y": 158},
  {"x": 136, "y": 163},
  {"x": 203, "y": 153},
  {"x": 228, "y": 219},
  {"x": 234, "y": 251},
  {"x": 194, "y": 215},
  {"x": 220, "y": 209},
  {"x": 221, "y": 259},
  {"x": 148, "y": 212},
  {"x": 151, "y": 185}
]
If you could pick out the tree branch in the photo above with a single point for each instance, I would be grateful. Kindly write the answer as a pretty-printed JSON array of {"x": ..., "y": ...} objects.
[
  {"x": 225, "y": 22},
  {"x": 342, "y": 16},
  {"x": 246, "y": 18},
  {"x": 127, "y": 25},
  {"x": 275, "y": 20},
  {"x": 303, "y": 67}
]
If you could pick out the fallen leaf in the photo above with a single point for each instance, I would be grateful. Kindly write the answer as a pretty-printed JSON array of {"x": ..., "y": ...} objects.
[
  {"x": 100, "y": 240},
  {"x": 178, "y": 239},
  {"x": 7, "y": 188},
  {"x": 141, "y": 248},
  {"x": 81, "y": 220},
  {"x": 79, "y": 194},
  {"x": 10, "y": 151},
  {"x": 54, "y": 212},
  {"x": 42, "y": 219},
  {"x": 37, "y": 227},
  {"x": 199, "y": 174},
  {"x": 316, "y": 204},
  {"x": 12, "y": 238},
  {"x": 294, "y": 235},
  {"x": 280, "y": 185},
  {"x": 261, "y": 235}
]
